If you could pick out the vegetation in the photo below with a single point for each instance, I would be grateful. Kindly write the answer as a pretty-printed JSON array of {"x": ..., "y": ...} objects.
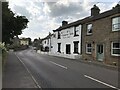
[
  {"x": 12, "y": 25},
  {"x": 3, "y": 52}
]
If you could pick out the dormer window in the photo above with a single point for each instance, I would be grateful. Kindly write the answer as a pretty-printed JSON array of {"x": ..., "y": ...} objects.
[
  {"x": 89, "y": 29},
  {"x": 116, "y": 24}
]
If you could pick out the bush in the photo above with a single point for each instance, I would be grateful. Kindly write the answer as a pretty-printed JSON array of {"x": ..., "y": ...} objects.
[{"x": 3, "y": 52}]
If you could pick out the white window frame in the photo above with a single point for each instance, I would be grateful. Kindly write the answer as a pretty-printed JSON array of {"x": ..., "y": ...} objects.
[
  {"x": 117, "y": 23},
  {"x": 114, "y": 48},
  {"x": 88, "y": 48},
  {"x": 89, "y": 28}
]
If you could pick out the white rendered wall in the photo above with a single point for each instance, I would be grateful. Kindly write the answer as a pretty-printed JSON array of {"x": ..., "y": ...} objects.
[{"x": 67, "y": 37}]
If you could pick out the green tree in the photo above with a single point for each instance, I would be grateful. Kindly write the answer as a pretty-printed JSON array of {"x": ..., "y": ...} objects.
[{"x": 12, "y": 25}]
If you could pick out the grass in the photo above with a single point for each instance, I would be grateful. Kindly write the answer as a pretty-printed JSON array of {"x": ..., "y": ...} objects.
[{"x": 3, "y": 57}]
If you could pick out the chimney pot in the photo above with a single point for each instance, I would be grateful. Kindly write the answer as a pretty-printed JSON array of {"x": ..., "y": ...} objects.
[
  {"x": 95, "y": 10},
  {"x": 64, "y": 23}
]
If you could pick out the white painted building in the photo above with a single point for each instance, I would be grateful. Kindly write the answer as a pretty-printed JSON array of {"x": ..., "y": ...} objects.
[
  {"x": 24, "y": 41},
  {"x": 46, "y": 43},
  {"x": 66, "y": 41}
]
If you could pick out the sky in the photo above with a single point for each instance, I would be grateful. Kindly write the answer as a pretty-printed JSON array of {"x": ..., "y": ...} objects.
[{"x": 46, "y": 15}]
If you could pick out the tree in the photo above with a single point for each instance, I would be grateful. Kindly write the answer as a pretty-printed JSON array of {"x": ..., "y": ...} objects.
[
  {"x": 12, "y": 25},
  {"x": 30, "y": 42}
]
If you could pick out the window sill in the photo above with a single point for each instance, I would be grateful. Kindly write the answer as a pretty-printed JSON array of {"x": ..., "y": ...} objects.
[
  {"x": 116, "y": 30},
  {"x": 88, "y": 34},
  {"x": 76, "y": 35},
  {"x": 88, "y": 53},
  {"x": 116, "y": 55}
]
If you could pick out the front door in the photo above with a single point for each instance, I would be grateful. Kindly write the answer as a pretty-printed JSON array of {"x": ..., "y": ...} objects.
[
  {"x": 100, "y": 52},
  {"x": 67, "y": 48}
]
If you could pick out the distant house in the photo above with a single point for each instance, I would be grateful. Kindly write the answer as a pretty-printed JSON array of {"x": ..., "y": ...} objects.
[
  {"x": 24, "y": 41},
  {"x": 46, "y": 43}
]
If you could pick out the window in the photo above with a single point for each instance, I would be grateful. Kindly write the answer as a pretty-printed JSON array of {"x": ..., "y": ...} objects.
[
  {"x": 76, "y": 31},
  {"x": 116, "y": 24},
  {"x": 88, "y": 48},
  {"x": 48, "y": 41},
  {"x": 89, "y": 29},
  {"x": 58, "y": 35},
  {"x": 76, "y": 47},
  {"x": 59, "y": 47},
  {"x": 67, "y": 48},
  {"x": 115, "y": 48}
]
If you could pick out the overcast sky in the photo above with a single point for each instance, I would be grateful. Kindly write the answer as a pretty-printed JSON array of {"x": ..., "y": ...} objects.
[{"x": 46, "y": 16}]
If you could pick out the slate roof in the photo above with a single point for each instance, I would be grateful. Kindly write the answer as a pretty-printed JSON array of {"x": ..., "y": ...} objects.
[{"x": 113, "y": 11}]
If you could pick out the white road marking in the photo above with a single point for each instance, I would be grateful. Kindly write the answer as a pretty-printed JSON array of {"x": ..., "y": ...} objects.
[
  {"x": 29, "y": 72},
  {"x": 58, "y": 65},
  {"x": 101, "y": 82}
]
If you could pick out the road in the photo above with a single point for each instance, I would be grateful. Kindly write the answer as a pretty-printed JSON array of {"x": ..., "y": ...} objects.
[{"x": 56, "y": 72}]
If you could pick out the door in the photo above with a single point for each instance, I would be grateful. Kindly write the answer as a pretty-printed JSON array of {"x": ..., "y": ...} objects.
[
  {"x": 67, "y": 48},
  {"x": 100, "y": 52}
]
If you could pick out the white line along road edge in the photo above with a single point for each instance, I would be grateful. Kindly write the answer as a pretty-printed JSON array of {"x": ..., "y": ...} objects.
[
  {"x": 29, "y": 72},
  {"x": 58, "y": 65},
  {"x": 101, "y": 82}
]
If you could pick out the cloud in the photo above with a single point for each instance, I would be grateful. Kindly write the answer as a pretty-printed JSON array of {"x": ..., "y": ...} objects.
[
  {"x": 22, "y": 11},
  {"x": 60, "y": 9},
  {"x": 47, "y": 16}
]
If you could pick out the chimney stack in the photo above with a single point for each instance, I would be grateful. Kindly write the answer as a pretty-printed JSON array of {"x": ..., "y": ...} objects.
[
  {"x": 95, "y": 10},
  {"x": 64, "y": 23}
]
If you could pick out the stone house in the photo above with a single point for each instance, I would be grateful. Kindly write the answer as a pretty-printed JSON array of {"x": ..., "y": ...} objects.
[{"x": 101, "y": 35}]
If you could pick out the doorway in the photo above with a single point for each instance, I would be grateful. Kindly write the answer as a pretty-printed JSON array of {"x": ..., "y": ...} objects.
[{"x": 100, "y": 52}]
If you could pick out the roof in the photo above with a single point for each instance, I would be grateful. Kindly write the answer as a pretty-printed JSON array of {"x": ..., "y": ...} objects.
[
  {"x": 25, "y": 39},
  {"x": 47, "y": 37},
  {"x": 113, "y": 11}
]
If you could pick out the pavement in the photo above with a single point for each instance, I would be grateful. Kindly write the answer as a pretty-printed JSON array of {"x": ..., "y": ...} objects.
[
  {"x": 96, "y": 63},
  {"x": 15, "y": 75}
]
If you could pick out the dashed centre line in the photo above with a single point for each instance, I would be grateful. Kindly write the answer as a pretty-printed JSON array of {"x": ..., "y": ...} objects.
[{"x": 58, "y": 65}]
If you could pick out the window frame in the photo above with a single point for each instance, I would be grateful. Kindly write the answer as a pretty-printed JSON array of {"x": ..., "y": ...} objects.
[
  {"x": 89, "y": 29},
  {"x": 112, "y": 48},
  {"x": 75, "y": 30},
  {"x": 88, "y": 48},
  {"x": 76, "y": 50},
  {"x": 59, "y": 47},
  {"x": 113, "y": 29},
  {"x": 59, "y": 36}
]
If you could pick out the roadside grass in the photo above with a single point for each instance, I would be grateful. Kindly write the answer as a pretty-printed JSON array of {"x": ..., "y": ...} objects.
[{"x": 4, "y": 57}]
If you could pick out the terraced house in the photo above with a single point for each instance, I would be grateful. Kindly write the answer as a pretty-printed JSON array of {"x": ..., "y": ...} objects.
[
  {"x": 95, "y": 38},
  {"x": 101, "y": 35}
]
